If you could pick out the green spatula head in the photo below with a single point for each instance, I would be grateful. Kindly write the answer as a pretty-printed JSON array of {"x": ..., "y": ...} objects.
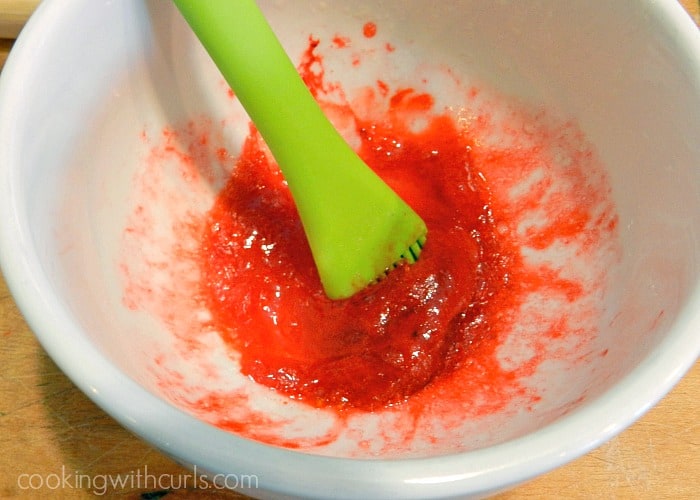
[{"x": 357, "y": 227}]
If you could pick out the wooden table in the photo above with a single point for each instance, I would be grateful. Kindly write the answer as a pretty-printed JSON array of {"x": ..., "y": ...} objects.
[{"x": 50, "y": 432}]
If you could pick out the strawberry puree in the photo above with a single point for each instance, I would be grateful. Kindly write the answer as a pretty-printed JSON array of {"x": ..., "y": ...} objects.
[
  {"x": 389, "y": 341},
  {"x": 519, "y": 217}
]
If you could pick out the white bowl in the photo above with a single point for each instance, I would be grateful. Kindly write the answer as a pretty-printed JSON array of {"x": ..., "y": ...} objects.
[{"x": 90, "y": 84}]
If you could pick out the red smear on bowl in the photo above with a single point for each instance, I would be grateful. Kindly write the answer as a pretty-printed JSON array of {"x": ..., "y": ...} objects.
[{"x": 433, "y": 340}]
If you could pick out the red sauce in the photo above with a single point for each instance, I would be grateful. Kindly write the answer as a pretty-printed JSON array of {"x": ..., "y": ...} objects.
[
  {"x": 389, "y": 341},
  {"x": 434, "y": 342},
  {"x": 369, "y": 30}
]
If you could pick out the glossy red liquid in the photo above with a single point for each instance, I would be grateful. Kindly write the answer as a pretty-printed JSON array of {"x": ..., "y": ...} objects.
[
  {"x": 389, "y": 341},
  {"x": 452, "y": 339}
]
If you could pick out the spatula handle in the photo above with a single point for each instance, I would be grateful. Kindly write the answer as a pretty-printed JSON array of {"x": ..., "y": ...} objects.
[
  {"x": 247, "y": 52},
  {"x": 350, "y": 216}
]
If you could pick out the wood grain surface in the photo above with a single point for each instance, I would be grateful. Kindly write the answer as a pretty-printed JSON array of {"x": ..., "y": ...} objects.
[
  {"x": 51, "y": 433},
  {"x": 13, "y": 15}
]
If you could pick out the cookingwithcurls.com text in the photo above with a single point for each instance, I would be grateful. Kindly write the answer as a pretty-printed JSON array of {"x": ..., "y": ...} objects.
[{"x": 135, "y": 480}]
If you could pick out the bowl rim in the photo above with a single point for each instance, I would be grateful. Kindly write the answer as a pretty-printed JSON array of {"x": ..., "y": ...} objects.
[{"x": 283, "y": 470}]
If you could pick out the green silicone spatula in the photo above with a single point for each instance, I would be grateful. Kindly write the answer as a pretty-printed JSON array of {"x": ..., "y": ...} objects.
[{"x": 357, "y": 227}]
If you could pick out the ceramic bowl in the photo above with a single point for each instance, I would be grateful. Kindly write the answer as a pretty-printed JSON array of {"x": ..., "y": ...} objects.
[{"x": 102, "y": 102}]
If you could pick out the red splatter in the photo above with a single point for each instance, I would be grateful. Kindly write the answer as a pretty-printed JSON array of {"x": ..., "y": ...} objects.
[
  {"x": 469, "y": 189},
  {"x": 340, "y": 42},
  {"x": 408, "y": 100},
  {"x": 311, "y": 68},
  {"x": 369, "y": 30},
  {"x": 383, "y": 88}
]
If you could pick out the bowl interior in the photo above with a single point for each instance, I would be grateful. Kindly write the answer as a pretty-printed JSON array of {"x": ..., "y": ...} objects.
[{"x": 612, "y": 90}]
